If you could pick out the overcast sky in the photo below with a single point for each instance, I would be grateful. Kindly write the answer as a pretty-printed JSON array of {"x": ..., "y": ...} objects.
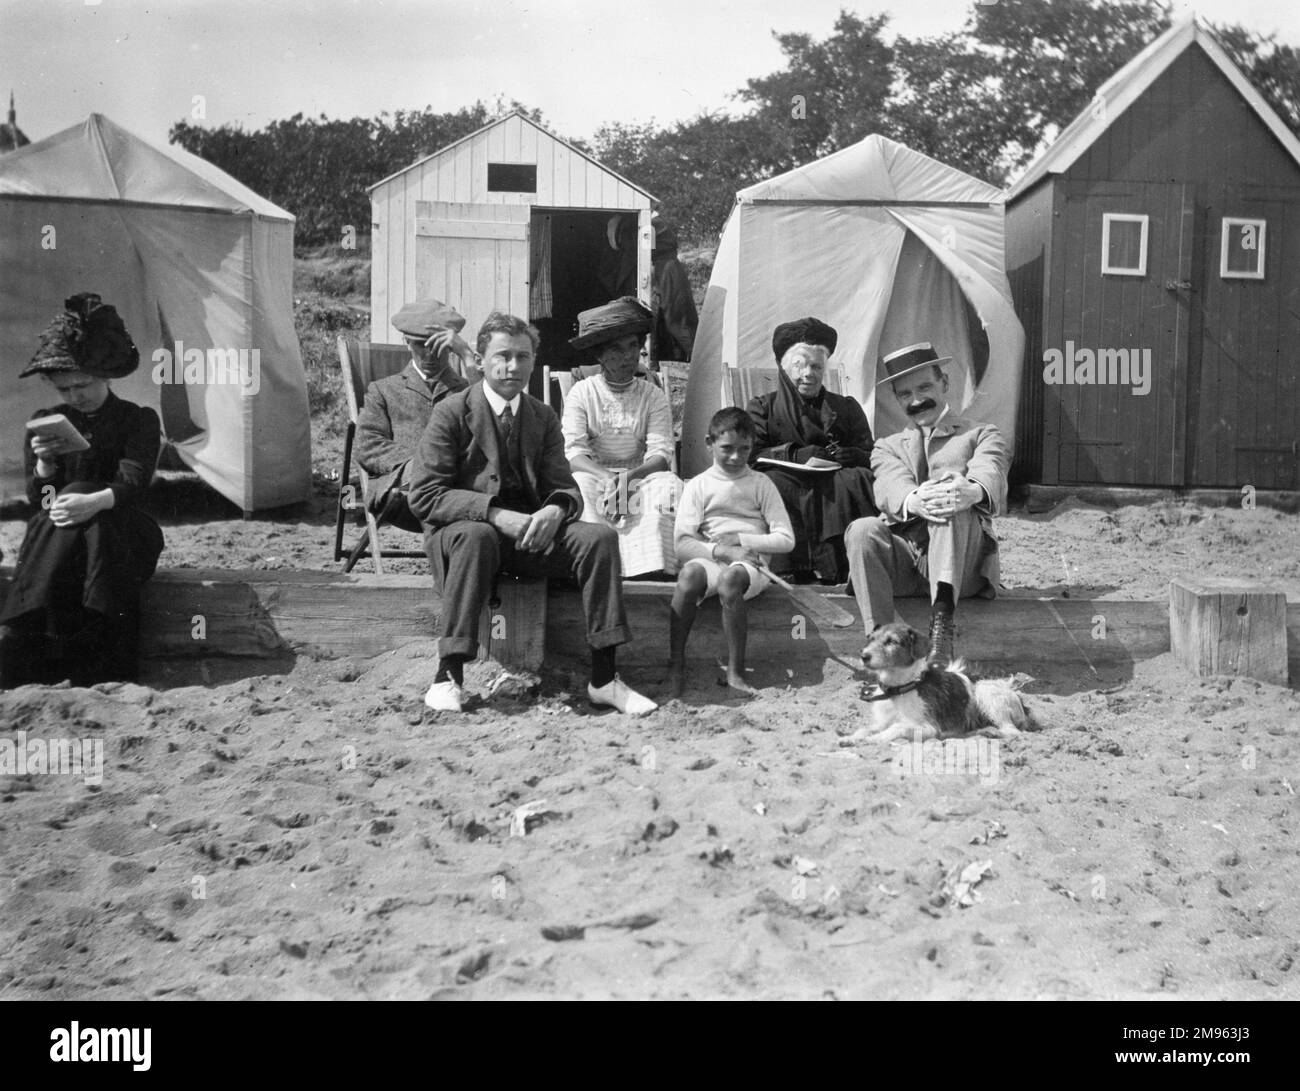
[{"x": 582, "y": 62}]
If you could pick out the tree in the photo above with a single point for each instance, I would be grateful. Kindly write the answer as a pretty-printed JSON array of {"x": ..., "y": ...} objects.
[
  {"x": 830, "y": 94},
  {"x": 319, "y": 169},
  {"x": 694, "y": 168}
]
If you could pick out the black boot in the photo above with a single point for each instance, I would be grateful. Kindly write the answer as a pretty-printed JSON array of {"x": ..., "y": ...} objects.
[
  {"x": 943, "y": 631},
  {"x": 13, "y": 665}
]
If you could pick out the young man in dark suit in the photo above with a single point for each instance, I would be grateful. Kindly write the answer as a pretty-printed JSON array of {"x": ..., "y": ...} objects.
[
  {"x": 492, "y": 486},
  {"x": 397, "y": 409}
]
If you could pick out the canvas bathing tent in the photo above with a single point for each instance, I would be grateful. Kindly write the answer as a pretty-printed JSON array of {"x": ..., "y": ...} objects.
[
  {"x": 186, "y": 254},
  {"x": 890, "y": 247}
]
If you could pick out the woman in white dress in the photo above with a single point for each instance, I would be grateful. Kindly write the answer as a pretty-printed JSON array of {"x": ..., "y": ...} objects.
[{"x": 618, "y": 438}]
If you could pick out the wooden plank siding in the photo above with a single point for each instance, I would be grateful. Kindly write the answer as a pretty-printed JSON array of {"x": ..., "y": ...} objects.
[
  {"x": 465, "y": 275},
  {"x": 1224, "y": 406}
]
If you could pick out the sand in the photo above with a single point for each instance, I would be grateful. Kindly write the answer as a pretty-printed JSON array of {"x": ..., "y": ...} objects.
[{"x": 318, "y": 834}]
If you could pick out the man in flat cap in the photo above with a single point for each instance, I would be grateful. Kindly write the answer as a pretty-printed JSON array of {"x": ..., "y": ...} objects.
[
  {"x": 939, "y": 482},
  {"x": 492, "y": 486},
  {"x": 397, "y": 409},
  {"x": 801, "y": 421}
]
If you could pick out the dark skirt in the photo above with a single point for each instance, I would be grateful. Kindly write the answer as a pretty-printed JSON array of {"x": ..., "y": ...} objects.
[
  {"x": 821, "y": 506},
  {"x": 73, "y": 608}
]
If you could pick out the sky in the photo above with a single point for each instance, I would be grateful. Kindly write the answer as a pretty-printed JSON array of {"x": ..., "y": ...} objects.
[{"x": 581, "y": 62}]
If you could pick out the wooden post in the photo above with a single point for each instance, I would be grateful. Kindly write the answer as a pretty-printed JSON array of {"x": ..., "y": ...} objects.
[
  {"x": 1228, "y": 626},
  {"x": 514, "y": 631}
]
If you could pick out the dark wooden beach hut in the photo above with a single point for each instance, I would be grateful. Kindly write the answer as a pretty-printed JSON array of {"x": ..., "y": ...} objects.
[{"x": 1154, "y": 258}]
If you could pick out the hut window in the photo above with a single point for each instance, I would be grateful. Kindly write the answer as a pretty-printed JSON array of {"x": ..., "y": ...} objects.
[
  {"x": 1124, "y": 244},
  {"x": 1242, "y": 253},
  {"x": 512, "y": 177}
]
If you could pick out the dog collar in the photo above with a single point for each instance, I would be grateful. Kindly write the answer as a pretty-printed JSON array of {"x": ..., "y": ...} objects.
[{"x": 884, "y": 693}]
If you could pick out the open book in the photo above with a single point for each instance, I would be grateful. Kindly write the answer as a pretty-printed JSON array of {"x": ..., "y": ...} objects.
[{"x": 815, "y": 465}]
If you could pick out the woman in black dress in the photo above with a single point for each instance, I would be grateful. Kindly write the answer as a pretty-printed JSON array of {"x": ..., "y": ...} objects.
[{"x": 73, "y": 608}]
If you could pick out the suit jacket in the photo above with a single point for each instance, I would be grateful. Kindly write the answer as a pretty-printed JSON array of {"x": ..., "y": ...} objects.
[
  {"x": 977, "y": 451},
  {"x": 456, "y": 471},
  {"x": 842, "y": 419},
  {"x": 974, "y": 450},
  {"x": 394, "y": 414}
]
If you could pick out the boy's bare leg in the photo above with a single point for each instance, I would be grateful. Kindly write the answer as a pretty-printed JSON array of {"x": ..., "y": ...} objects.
[
  {"x": 691, "y": 584},
  {"x": 732, "y": 585}
]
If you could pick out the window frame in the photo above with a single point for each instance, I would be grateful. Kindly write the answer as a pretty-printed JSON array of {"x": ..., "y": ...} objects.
[
  {"x": 510, "y": 171},
  {"x": 1237, "y": 274},
  {"x": 1107, "y": 218}
]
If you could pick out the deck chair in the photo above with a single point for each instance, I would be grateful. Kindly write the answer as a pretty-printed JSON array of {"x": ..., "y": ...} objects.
[
  {"x": 362, "y": 362},
  {"x": 751, "y": 382}
]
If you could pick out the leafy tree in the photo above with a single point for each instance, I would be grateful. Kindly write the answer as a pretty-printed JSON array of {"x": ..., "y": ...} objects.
[
  {"x": 1273, "y": 69},
  {"x": 830, "y": 94},
  {"x": 319, "y": 169},
  {"x": 694, "y": 168}
]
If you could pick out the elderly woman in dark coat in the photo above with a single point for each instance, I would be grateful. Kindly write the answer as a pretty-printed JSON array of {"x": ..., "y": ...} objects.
[
  {"x": 799, "y": 421},
  {"x": 73, "y": 607}
]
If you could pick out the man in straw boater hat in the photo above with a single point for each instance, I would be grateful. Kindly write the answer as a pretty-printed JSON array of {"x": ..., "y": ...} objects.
[
  {"x": 493, "y": 489},
  {"x": 802, "y": 420},
  {"x": 396, "y": 409},
  {"x": 939, "y": 482}
]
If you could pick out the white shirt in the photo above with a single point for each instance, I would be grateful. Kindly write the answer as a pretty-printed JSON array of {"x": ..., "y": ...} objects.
[{"x": 499, "y": 403}]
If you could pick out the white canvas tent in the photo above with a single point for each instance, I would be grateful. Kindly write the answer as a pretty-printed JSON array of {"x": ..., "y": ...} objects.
[
  {"x": 890, "y": 247},
  {"x": 186, "y": 254}
]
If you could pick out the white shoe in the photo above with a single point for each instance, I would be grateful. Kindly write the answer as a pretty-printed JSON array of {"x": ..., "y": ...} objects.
[
  {"x": 444, "y": 697},
  {"x": 618, "y": 695}
]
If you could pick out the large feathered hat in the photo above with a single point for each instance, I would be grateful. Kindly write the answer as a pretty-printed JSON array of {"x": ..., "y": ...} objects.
[{"x": 88, "y": 336}]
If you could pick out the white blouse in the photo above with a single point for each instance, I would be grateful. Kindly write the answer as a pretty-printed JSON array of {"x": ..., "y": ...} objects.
[{"x": 618, "y": 429}]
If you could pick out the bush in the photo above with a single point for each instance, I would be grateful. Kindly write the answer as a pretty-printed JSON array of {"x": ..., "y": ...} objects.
[{"x": 318, "y": 322}]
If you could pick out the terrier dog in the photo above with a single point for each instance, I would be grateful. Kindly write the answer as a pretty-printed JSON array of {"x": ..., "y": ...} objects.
[{"x": 915, "y": 699}]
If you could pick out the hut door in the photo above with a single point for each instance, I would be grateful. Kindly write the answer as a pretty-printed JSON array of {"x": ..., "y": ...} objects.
[
  {"x": 1116, "y": 405},
  {"x": 1245, "y": 403},
  {"x": 474, "y": 257}
]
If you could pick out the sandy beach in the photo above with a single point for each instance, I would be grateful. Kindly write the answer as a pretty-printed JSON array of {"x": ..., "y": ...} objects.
[{"x": 318, "y": 834}]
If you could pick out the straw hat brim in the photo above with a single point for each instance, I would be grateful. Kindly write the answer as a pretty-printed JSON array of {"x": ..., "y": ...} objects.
[
  {"x": 610, "y": 333},
  {"x": 936, "y": 362}
]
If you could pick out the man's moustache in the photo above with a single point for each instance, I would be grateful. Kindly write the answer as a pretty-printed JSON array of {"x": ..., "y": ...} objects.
[{"x": 913, "y": 410}]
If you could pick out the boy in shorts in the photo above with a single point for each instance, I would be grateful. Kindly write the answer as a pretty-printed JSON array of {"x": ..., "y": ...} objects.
[{"x": 731, "y": 520}]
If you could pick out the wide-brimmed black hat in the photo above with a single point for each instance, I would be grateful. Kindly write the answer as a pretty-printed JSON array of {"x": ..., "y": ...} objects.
[
  {"x": 89, "y": 336},
  {"x": 612, "y": 320},
  {"x": 910, "y": 359},
  {"x": 805, "y": 331}
]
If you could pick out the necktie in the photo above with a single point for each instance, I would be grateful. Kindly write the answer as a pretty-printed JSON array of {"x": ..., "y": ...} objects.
[
  {"x": 507, "y": 422},
  {"x": 923, "y": 465}
]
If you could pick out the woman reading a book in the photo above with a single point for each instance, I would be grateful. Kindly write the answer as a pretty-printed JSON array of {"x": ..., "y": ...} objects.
[
  {"x": 73, "y": 607},
  {"x": 825, "y": 441}
]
